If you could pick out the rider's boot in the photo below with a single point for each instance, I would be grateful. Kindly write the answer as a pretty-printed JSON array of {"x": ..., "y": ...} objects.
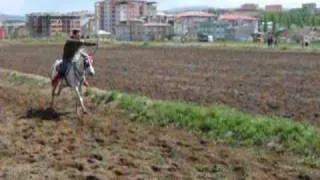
[{"x": 85, "y": 83}]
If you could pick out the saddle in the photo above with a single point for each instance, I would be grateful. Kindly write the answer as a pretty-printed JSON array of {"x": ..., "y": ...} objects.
[{"x": 63, "y": 68}]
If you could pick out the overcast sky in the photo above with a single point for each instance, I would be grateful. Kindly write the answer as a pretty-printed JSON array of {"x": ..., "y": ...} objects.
[{"x": 21, "y": 7}]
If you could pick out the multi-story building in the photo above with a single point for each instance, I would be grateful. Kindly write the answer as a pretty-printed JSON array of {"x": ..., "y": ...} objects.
[
  {"x": 99, "y": 15},
  {"x": 273, "y": 8},
  {"x": 137, "y": 30},
  {"x": 49, "y": 24},
  {"x": 111, "y": 13},
  {"x": 88, "y": 28},
  {"x": 236, "y": 20},
  {"x": 311, "y": 7},
  {"x": 131, "y": 30},
  {"x": 249, "y": 6},
  {"x": 241, "y": 27},
  {"x": 132, "y": 19},
  {"x": 163, "y": 17},
  {"x": 11, "y": 27},
  {"x": 216, "y": 29},
  {"x": 156, "y": 31},
  {"x": 189, "y": 22},
  {"x": 247, "y": 10},
  {"x": 231, "y": 27}
]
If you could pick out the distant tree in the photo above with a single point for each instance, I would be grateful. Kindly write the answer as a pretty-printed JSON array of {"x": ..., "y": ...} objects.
[
  {"x": 213, "y": 11},
  {"x": 265, "y": 23},
  {"x": 274, "y": 23},
  {"x": 288, "y": 21},
  {"x": 299, "y": 17}
]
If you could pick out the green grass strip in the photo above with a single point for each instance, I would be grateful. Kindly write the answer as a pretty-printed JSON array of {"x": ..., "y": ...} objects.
[{"x": 223, "y": 123}]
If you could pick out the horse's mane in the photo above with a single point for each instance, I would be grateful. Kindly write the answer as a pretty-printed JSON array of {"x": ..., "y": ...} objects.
[{"x": 77, "y": 57}]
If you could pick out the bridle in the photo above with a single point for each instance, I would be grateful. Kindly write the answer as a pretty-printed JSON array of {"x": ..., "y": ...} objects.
[{"x": 88, "y": 60}]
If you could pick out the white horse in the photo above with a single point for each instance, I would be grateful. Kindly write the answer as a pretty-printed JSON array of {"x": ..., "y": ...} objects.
[{"x": 81, "y": 64}]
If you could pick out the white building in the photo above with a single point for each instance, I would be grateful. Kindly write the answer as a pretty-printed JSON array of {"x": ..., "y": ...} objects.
[
  {"x": 99, "y": 15},
  {"x": 108, "y": 15},
  {"x": 239, "y": 20},
  {"x": 189, "y": 22},
  {"x": 137, "y": 30}
]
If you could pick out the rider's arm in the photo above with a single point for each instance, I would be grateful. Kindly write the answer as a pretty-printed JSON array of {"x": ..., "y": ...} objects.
[
  {"x": 89, "y": 44},
  {"x": 81, "y": 43}
]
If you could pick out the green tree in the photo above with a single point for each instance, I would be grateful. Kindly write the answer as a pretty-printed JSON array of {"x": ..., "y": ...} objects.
[
  {"x": 265, "y": 23},
  {"x": 298, "y": 17},
  {"x": 274, "y": 23}
]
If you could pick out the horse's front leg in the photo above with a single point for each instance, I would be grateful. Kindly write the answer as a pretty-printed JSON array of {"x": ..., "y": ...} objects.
[
  {"x": 84, "y": 109},
  {"x": 52, "y": 95}
]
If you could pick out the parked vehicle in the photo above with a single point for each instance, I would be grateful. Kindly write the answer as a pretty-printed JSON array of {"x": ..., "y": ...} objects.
[{"x": 205, "y": 38}]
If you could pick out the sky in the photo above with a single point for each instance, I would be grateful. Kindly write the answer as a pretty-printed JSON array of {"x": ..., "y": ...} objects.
[{"x": 22, "y": 7}]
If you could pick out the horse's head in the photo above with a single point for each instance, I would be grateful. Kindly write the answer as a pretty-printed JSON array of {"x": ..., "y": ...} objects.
[{"x": 88, "y": 65}]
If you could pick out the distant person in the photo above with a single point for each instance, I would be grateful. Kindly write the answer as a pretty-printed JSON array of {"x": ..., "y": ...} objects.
[
  {"x": 270, "y": 40},
  {"x": 71, "y": 47}
]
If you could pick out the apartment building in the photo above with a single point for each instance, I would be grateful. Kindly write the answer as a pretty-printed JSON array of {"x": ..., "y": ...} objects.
[
  {"x": 189, "y": 22},
  {"x": 11, "y": 26},
  {"x": 99, "y": 15},
  {"x": 156, "y": 31},
  {"x": 131, "y": 30},
  {"x": 163, "y": 17},
  {"x": 49, "y": 24},
  {"x": 249, "y": 6},
  {"x": 273, "y": 8},
  {"x": 137, "y": 30},
  {"x": 110, "y": 13},
  {"x": 248, "y": 9},
  {"x": 311, "y": 7}
]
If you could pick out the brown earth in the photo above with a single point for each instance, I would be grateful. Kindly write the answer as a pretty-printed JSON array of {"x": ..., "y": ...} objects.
[
  {"x": 264, "y": 82},
  {"x": 41, "y": 143}
]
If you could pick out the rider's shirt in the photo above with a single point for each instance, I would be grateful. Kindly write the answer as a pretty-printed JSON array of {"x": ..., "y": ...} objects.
[{"x": 72, "y": 46}]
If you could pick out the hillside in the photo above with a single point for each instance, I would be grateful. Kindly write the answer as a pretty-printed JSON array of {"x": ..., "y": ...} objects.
[
  {"x": 5, "y": 17},
  {"x": 189, "y": 8}
]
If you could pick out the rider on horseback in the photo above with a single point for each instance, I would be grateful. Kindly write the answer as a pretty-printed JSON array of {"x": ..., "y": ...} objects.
[{"x": 71, "y": 47}]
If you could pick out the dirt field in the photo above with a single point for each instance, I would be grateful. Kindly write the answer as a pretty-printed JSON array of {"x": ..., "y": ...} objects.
[
  {"x": 281, "y": 83},
  {"x": 37, "y": 143}
]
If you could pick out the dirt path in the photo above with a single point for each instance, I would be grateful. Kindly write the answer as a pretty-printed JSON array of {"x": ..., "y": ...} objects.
[{"x": 37, "y": 143}]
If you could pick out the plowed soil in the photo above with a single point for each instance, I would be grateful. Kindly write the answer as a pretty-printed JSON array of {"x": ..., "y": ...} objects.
[
  {"x": 265, "y": 82},
  {"x": 41, "y": 143}
]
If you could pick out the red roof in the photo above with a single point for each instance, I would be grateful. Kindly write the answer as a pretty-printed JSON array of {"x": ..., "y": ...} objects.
[
  {"x": 274, "y": 5},
  {"x": 156, "y": 24},
  {"x": 194, "y": 14},
  {"x": 236, "y": 17}
]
